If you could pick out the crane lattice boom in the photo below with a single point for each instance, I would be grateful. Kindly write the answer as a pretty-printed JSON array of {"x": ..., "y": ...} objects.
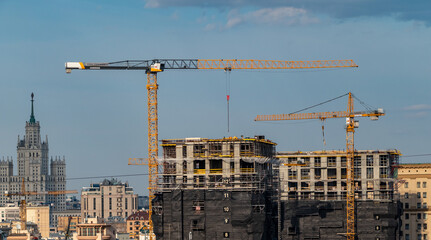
[
  {"x": 210, "y": 64},
  {"x": 317, "y": 115}
]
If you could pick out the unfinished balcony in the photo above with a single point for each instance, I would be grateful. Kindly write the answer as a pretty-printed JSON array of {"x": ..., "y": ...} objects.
[
  {"x": 216, "y": 167},
  {"x": 199, "y": 167}
]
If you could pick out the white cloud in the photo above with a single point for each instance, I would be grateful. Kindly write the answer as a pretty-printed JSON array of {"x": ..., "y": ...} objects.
[
  {"x": 210, "y": 26},
  {"x": 152, "y": 4},
  {"x": 418, "y": 107},
  {"x": 280, "y": 15}
]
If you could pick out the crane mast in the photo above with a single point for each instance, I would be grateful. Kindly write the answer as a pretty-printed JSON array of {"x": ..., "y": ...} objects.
[
  {"x": 154, "y": 66},
  {"x": 351, "y": 124}
]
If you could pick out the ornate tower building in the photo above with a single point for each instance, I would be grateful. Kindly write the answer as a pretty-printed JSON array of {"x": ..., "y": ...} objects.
[{"x": 32, "y": 159}]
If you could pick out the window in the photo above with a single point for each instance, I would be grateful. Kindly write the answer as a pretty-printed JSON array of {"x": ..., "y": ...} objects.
[
  {"x": 370, "y": 173},
  {"x": 424, "y": 205},
  {"x": 317, "y": 161},
  {"x": 419, "y": 236},
  {"x": 406, "y": 216},
  {"x": 425, "y": 216},
  {"x": 332, "y": 161},
  {"x": 94, "y": 203},
  {"x": 126, "y": 203},
  {"x": 406, "y": 195},
  {"x": 370, "y": 160},
  {"x": 419, "y": 195},
  {"x": 198, "y": 206},
  {"x": 418, "y": 184},
  {"x": 424, "y": 194},
  {"x": 406, "y": 185},
  {"x": 407, "y": 237},
  {"x": 383, "y": 172},
  {"x": 425, "y": 237},
  {"x": 357, "y": 161},
  {"x": 424, "y": 184},
  {"x": 406, "y": 206},
  {"x": 425, "y": 226},
  {"x": 418, "y": 205},
  {"x": 383, "y": 160},
  {"x": 407, "y": 226},
  {"x": 419, "y": 216},
  {"x": 357, "y": 172},
  {"x": 343, "y": 161},
  {"x": 110, "y": 203}
]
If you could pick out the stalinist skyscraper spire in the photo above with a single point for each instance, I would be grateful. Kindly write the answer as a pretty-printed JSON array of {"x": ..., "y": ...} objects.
[{"x": 32, "y": 159}]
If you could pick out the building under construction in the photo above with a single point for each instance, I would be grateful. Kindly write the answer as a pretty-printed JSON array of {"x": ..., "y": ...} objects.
[{"x": 240, "y": 188}]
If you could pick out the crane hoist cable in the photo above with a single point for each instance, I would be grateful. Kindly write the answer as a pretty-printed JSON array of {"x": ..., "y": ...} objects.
[
  {"x": 323, "y": 131},
  {"x": 227, "y": 73}
]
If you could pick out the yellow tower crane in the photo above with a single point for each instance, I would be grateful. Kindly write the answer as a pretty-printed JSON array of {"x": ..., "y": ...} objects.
[
  {"x": 152, "y": 67},
  {"x": 351, "y": 124},
  {"x": 23, "y": 203}
]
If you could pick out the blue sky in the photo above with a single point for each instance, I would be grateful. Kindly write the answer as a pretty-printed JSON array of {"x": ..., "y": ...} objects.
[{"x": 97, "y": 119}]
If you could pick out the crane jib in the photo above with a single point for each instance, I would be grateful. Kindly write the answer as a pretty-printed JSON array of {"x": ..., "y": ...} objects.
[{"x": 209, "y": 64}]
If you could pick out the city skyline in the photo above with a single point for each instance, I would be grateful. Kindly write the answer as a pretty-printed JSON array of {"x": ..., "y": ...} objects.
[{"x": 98, "y": 119}]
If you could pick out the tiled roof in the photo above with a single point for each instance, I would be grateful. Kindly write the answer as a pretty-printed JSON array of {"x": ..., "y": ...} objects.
[{"x": 139, "y": 215}]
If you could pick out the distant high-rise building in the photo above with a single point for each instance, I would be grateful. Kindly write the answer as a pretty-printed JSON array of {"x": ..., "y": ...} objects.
[
  {"x": 32, "y": 159},
  {"x": 110, "y": 198},
  {"x": 143, "y": 202}
]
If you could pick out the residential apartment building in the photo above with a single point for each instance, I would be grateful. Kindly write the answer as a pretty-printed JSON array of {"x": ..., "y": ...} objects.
[
  {"x": 414, "y": 181},
  {"x": 214, "y": 189},
  {"x": 321, "y": 175},
  {"x": 94, "y": 229},
  {"x": 39, "y": 215},
  {"x": 9, "y": 212},
  {"x": 137, "y": 222},
  {"x": 64, "y": 222},
  {"x": 110, "y": 198},
  {"x": 57, "y": 215}
]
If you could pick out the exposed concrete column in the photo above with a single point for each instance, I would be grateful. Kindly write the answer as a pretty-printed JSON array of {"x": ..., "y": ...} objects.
[
  {"x": 225, "y": 149},
  {"x": 179, "y": 164},
  {"x": 190, "y": 166},
  {"x": 226, "y": 167},
  {"x": 324, "y": 172}
]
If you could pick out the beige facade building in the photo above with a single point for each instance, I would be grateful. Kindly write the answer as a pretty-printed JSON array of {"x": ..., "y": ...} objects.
[
  {"x": 63, "y": 223},
  {"x": 110, "y": 198},
  {"x": 39, "y": 215},
  {"x": 94, "y": 229},
  {"x": 322, "y": 174},
  {"x": 415, "y": 189},
  {"x": 9, "y": 212},
  {"x": 136, "y": 223}
]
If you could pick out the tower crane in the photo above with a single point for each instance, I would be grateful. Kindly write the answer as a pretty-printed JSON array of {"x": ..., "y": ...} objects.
[
  {"x": 24, "y": 193},
  {"x": 152, "y": 67},
  {"x": 351, "y": 124}
]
